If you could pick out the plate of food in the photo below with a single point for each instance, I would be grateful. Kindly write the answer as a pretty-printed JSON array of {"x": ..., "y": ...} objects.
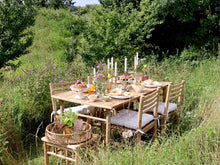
[
  {"x": 124, "y": 95},
  {"x": 121, "y": 97},
  {"x": 151, "y": 83}
]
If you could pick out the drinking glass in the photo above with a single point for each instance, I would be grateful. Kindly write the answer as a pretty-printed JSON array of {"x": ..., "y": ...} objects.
[{"x": 138, "y": 77}]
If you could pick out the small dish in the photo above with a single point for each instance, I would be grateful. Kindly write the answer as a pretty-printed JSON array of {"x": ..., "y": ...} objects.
[
  {"x": 105, "y": 98},
  {"x": 138, "y": 88},
  {"x": 92, "y": 98}
]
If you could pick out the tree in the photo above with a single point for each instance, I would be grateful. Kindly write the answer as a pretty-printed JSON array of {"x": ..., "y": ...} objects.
[
  {"x": 55, "y": 4},
  {"x": 15, "y": 18}
]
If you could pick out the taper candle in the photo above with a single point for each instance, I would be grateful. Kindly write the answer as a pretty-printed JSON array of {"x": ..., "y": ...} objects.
[
  {"x": 108, "y": 63},
  {"x": 112, "y": 64},
  {"x": 94, "y": 71},
  {"x": 115, "y": 68},
  {"x": 125, "y": 64}
]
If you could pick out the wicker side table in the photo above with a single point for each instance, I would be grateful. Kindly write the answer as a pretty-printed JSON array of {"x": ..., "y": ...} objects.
[{"x": 66, "y": 152}]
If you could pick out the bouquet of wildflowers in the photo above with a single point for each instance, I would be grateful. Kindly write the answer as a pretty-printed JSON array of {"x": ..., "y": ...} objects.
[{"x": 102, "y": 77}]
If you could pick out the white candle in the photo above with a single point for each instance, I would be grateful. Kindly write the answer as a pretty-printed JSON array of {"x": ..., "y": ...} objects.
[
  {"x": 112, "y": 64},
  {"x": 115, "y": 68},
  {"x": 125, "y": 64},
  {"x": 94, "y": 71},
  {"x": 134, "y": 62},
  {"x": 108, "y": 63}
]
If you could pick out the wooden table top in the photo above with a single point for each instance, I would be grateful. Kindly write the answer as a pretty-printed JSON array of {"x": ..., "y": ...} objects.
[{"x": 111, "y": 104}]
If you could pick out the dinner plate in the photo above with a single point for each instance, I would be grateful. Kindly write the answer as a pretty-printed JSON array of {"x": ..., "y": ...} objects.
[
  {"x": 121, "y": 97},
  {"x": 155, "y": 85}
]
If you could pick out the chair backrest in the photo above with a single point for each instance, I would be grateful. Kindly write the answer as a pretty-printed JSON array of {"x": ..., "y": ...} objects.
[
  {"x": 56, "y": 88},
  {"x": 148, "y": 102},
  {"x": 174, "y": 92}
]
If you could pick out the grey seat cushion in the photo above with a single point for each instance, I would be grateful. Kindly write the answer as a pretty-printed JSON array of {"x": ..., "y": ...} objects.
[
  {"x": 129, "y": 119},
  {"x": 82, "y": 109},
  {"x": 161, "y": 106}
]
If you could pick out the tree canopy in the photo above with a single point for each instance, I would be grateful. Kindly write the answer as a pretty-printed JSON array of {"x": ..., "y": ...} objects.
[{"x": 15, "y": 18}]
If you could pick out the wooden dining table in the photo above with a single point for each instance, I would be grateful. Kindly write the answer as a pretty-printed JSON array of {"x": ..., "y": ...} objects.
[{"x": 109, "y": 106}]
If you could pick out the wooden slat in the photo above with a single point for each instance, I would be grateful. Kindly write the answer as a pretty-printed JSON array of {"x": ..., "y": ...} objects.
[
  {"x": 150, "y": 103},
  {"x": 149, "y": 99},
  {"x": 91, "y": 117},
  {"x": 61, "y": 88},
  {"x": 149, "y": 108},
  {"x": 150, "y": 95},
  {"x": 174, "y": 93},
  {"x": 61, "y": 156},
  {"x": 62, "y": 84},
  {"x": 175, "y": 89},
  {"x": 176, "y": 85},
  {"x": 174, "y": 97}
]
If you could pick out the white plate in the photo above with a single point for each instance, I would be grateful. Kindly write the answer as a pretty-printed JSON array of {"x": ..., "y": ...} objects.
[
  {"x": 155, "y": 85},
  {"x": 121, "y": 97}
]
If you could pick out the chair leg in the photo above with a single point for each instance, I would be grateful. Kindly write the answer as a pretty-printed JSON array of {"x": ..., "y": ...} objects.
[
  {"x": 155, "y": 130},
  {"x": 163, "y": 125},
  {"x": 46, "y": 156},
  {"x": 138, "y": 138}
]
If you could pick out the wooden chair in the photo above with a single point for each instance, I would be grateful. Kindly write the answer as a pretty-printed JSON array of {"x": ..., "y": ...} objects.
[
  {"x": 169, "y": 108},
  {"x": 139, "y": 122},
  {"x": 70, "y": 153},
  {"x": 55, "y": 88}
]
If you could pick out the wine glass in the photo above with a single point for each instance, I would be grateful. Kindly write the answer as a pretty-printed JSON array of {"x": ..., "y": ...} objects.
[{"x": 138, "y": 77}]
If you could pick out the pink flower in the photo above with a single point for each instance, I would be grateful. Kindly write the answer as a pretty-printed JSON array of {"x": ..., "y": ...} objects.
[
  {"x": 102, "y": 64},
  {"x": 65, "y": 69},
  {"x": 59, "y": 68},
  {"x": 6, "y": 68},
  {"x": 60, "y": 76},
  {"x": 13, "y": 70},
  {"x": 97, "y": 67},
  {"x": 61, "y": 81},
  {"x": 105, "y": 68},
  {"x": 50, "y": 64},
  {"x": 28, "y": 60},
  {"x": 55, "y": 79}
]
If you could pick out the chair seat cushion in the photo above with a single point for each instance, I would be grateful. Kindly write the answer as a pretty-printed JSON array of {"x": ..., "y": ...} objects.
[
  {"x": 161, "y": 106},
  {"x": 129, "y": 119}
]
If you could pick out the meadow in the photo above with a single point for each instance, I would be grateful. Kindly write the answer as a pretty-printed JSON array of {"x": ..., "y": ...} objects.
[{"x": 57, "y": 55}]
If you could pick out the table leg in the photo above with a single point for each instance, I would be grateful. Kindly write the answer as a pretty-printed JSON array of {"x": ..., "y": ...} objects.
[
  {"x": 108, "y": 122},
  {"x": 62, "y": 104}
]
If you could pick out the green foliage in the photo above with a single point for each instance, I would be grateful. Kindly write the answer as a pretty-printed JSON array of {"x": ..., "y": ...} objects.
[
  {"x": 110, "y": 33},
  {"x": 187, "y": 23},
  {"x": 118, "y": 4},
  {"x": 55, "y": 4},
  {"x": 68, "y": 118},
  {"x": 15, "y": 18}
]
